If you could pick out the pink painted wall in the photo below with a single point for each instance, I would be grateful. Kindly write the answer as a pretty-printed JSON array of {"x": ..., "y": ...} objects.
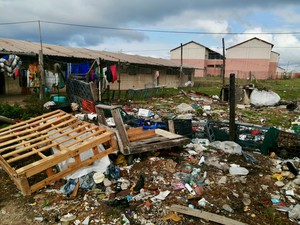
[
  {"x": 202, "y": 65},
  {"x": 259, "y": 68}
]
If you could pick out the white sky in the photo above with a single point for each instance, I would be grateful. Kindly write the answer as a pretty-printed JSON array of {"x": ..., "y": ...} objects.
[{"x": 202, "y": 21}]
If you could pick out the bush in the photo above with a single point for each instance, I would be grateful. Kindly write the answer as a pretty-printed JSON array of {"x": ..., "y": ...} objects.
[
  {"x": 12, "y": 111},
  {"x": 33, "y": 107}
]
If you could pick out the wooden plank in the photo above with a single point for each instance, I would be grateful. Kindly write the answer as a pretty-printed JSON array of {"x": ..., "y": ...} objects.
[
  {"x": 75, "y": 191},
  {"x": 33, "y": 131},
  {"x": 7, "y": 167},
  {"x": 120, "y": 126},
  {"x": 69, "y": 170},
  {"x": 22, "y": 183},
  {"x": 83, "y": 138},
  {"x": 205, "y": 215},
  {"x": 171, "y": 126},
  {"x": 144, "y": 135},
  {"x": 150, "y": 146},
  {"x": 26, "y": 125},
  {"x": 58, "y": 157},
  {"x": 32, "y": 152},
  {"x": 167, "y": 134},
  {"x": 100, "y": 116},
  {"x": 110, "y": 107},
  {"x": 38, "y": 118},
  {"x": 134, "y": 131}
]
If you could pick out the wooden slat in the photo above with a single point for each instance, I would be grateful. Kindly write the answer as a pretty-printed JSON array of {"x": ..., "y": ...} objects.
[
  {"x": 143, "y": 135},
  {"x": 61, "y": 156},
  {"x": 83, "y": 138},
  {"x": 134, "y": 131},
  {"x": 49, "y": 140},
  {"x": 205, "y": 215},
  {"x": 29, "y": 123},
  {"x": 37, "y": 133},
  {"x": 120, "y": 127},
  {"x": 69, "y": 170},
  {"x": 167, "y": 134},
  {"x": 11, "y": 128},
  {"x": 32, "y": 129}
]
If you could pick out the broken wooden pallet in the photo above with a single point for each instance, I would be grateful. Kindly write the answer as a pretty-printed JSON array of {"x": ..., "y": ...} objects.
[
  {"x": 31, "y": 151},
  {"x": 138, "y": 140}
]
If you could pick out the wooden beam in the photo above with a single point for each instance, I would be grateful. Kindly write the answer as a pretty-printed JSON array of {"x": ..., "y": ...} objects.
[
  {"x": 205, "y": 215},
  {"x": 142, "y": 135}
]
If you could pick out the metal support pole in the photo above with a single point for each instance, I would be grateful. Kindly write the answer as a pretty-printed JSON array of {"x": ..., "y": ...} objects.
[
  {"x": 41, "y": 62},
  {"x": 223, "y": 68},
  {"x": 232, "y": 130}
]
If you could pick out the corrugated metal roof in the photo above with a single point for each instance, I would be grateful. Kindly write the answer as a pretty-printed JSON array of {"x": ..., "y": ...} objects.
[{"x": 28, "y": 47}]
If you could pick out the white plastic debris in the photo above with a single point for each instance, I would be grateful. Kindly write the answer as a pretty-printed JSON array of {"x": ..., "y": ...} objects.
[
  {"x": 67, "y": 218},
  {"x": 201, "y": 161},
  {"x": 86, "y": 221},
  {"x": 125, "y": 220},
  {"x": 190, "y": 189},
  {"x": 228, "y": 147},
  {"x": 161, "y": 196},
  {"x": 222, "y": 180},
  {"x": 144, "y": 113},
  {"x": 294, "y": 213},
  {"x": 184, "y": 108},
  {"x": 237, "y": 170},
  {"x": 202, "y": 202},
  {"x": 227, "y": 208},
  {"x": 264, "y": 98}
]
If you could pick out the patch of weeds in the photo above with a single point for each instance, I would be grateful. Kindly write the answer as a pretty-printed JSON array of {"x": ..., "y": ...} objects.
[
  {"x": 269, "y": 212},
  {"x": 46, "y": 203},
  {"x": 11, "y": 111}
]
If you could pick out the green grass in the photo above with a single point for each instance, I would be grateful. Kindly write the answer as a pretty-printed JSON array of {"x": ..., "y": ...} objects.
[{"x": 287, "y": 89}]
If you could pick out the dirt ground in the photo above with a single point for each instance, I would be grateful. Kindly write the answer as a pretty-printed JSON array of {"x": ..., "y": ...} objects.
[{"x": 255, "y": 198}]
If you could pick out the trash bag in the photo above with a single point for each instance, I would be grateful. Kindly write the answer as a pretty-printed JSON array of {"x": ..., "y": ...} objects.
[
  {"x": 113, "y": 171},
  {"x": 264, "y": 98},
  {"x": 68, "y": 187}
]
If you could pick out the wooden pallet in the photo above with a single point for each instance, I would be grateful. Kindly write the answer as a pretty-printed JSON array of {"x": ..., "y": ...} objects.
[
  {"x": 27, "y": 148},
  {"x": 137, "y": 140}
]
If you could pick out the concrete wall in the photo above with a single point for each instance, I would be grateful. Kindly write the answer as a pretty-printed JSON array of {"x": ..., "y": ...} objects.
[
  {"x": 190, "y": 51},
  {"x": 252, "y": 58},
  {"x": 197, "y": 55},
  {"x": 148, "y": 80},
  {"x": 254, "y": 49},
  {"x": 12, "y": 85}
]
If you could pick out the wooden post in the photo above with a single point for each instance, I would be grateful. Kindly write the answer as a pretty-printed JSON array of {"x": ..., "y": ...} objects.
[
  {"x": 223, "y": 69},
  {"x": 42, "y": 77},
  {"x": 119, "y": 81},
  {"x": 41, "y": 62},
  {"x": 232, "y": 131}
]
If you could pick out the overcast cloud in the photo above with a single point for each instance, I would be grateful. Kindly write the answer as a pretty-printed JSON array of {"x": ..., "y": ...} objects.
[{"x": 229, "y": 19}]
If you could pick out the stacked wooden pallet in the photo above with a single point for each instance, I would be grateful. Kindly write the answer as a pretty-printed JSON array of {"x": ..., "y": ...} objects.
[{"x": 27, "y": 148}]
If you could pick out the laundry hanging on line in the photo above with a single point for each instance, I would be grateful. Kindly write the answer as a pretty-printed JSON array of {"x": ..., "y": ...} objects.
[
  {"x": 9, "y": 64},
  {"x": 111, "y": 73}
]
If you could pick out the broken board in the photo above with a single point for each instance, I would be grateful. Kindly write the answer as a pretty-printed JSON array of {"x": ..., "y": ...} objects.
[
  {"x": 26, "y": 148},
  {"x": 205, "y": 215}
]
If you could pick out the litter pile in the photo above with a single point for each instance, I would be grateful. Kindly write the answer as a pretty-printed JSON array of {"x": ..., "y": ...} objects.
[
  {"x": 164, "y": 187},
  {"x": 204, "y": 181}
]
